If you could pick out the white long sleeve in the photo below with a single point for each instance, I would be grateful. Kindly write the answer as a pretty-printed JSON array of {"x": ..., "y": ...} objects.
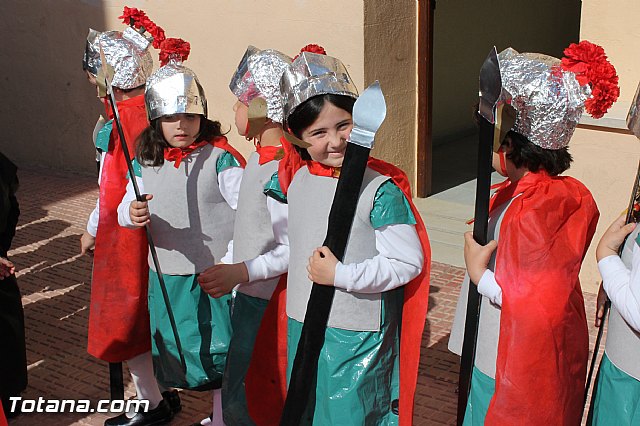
[
  {"x": 489, "y": 287},
  {"x": 124, "y": 219},
  {"x": 399, "y": 260},
  {"x": 94, "y": 217},
  {"x": 623, "y": 286},
  {"x": 229, "y": 183},
  {"x": 276, "y": 261}
]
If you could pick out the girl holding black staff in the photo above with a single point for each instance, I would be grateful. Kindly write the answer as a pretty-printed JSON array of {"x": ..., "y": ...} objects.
[{"x": 359, "y": 376}]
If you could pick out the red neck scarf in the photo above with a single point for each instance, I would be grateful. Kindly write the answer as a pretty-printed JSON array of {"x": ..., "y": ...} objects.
[
  {"x": 178, "y": 154},
  {"x": 319, "y": 169},
  {"x": 269, "y": 153}
]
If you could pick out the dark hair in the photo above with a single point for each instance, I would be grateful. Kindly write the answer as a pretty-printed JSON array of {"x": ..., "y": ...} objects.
[
  {"x": 307, "y": 112},
  {"x": 151, "y": 142},
  {"x": 526, "y": 153}
]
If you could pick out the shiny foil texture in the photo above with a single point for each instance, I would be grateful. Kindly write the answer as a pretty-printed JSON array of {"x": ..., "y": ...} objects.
[
  {"x": 311, "y": 74},
  {"x": 131, "y": 64},
  {"x": 633, "y": 117},
  {"x": 266, "y": 68},
  {"x": 549, "y": 101},
  {"x": 91, "y": 60},
  {"x": 174, "y": 89},
  {"x": 241, "y": 83}
]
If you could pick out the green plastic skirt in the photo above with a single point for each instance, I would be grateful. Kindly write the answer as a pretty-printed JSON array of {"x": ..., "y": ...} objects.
[
  {"x": 617, "y": 397},
  {"x": 358, "y": 372},
  {"x": 204, "y": 328},
  {"x": 482, "y": 389},
  {"x": 246, "y": 316}
]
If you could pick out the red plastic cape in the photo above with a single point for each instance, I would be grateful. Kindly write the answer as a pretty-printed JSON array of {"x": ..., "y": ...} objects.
[
  {"x": 267, "y": 411},
  {"x": 118, "y": 316},
  {"x": 3, "y": 419},
  {"x": 543, "y": 345},
  {"x": 223, "y": 143}
]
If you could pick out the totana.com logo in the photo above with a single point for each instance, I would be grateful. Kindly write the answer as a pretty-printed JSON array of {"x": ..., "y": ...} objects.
[{"x": 42, "y": 405}]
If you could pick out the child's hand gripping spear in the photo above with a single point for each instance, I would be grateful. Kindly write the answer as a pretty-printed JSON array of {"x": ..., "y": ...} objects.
[
  {"x": 106, "y": 72},
  {"x": 369, "y": 112},
  {"x": 496, "y": 119}
]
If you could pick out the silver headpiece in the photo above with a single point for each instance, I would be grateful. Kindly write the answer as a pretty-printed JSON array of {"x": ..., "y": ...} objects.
[
  {"x": 548, "y": 100},
  {"x": 91, "y": 59},
  {"x": 311, "y": 74},
  {"x": 127, "y": 53},
  {"x": 174, "y": 89},
  {"x": 258, "y": 75}
]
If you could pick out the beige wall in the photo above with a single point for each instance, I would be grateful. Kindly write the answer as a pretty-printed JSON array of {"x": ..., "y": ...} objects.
[
  {"x": 390, "y": 56},
  {"x": 48, "y": 109},
  {"x": 605, "y": 161}
]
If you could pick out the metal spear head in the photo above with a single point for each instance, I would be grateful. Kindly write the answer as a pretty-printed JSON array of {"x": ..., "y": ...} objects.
[
  {"x": 490, "y": 86},
  {"x": 369, "y": 112},
  {"x": 633, "y": 117}
]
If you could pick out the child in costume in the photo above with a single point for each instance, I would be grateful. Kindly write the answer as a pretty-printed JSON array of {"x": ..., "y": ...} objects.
[
  {"x": 616, "y": 394},
  {"x": 118, "y": 315},
  {"x": 360, "y": 377},
  {"x": 191, "y": 176},
  {"x": 532, "y": 344},
  {"x": 259, "y": 253}
]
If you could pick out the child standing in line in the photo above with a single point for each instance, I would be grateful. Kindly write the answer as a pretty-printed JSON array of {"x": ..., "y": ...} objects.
[
  {"x": 191, "y": 176},
  {"x": 377, "y": 284},
  {"x": 259, "y": 253},
  {"x": 532, "y": 346},
  {"x": 616, "y": 397},
  {"x": 118, "y": 315}
]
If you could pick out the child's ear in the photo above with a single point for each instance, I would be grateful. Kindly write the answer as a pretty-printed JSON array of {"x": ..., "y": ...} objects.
[{"x": 507, "y": 144}]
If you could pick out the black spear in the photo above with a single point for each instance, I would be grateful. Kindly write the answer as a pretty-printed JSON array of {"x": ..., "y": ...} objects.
[
  {"x": 496, "y": 118},
  {"x": 152, "y": 247},
  {"x": 633, "y": 124},
  {"x": 369, "y": 112}
]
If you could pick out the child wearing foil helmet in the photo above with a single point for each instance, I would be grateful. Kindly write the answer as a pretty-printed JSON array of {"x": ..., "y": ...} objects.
[
  {"x": 381, "y": 286},
  {"x": 118, "y": 314},
  {"x": 258, "y": 255},
  {"x": 616, "y": 394},
  {"x": 532, "y": 346},
  {"x": 191, "y": 176}
]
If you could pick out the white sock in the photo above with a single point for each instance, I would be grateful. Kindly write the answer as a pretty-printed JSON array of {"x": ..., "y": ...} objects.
[
  {"x": 217, "y": 408},
  {"x": 141, "y": 369}
]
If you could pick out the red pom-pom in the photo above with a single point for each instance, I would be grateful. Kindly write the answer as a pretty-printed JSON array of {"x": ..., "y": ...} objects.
[
  {"x": 137, "y": 19},
  {"x": 590, "y": 65},
  {"x": 174, "y": 47},
  {"x": 312, "y": 48}
]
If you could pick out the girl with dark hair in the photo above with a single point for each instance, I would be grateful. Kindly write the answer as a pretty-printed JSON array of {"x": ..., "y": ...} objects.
[
  {"x": 376, "y": 281},
  {"x": 532, "y": 344},
  {"x": 191, "y": 176}
]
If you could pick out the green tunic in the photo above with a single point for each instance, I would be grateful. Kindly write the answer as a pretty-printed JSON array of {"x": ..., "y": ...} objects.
[{"x": 617, "y": 397}]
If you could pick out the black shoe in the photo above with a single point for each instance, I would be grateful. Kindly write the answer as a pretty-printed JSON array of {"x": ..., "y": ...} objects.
[
  {"x": 160, "y": 415},
  {"x": 173, "y": 399}
]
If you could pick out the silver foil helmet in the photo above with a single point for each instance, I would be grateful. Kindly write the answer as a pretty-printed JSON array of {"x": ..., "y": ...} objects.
[
  {"x": 127, "y": 53},
  {"x": 311, "y": 74},
  {"x": 548, "y": 100},
  {"x": 174, "y": 89},
  {"x": 91, "y": 59},
  {"x": 258, "y": 75}
]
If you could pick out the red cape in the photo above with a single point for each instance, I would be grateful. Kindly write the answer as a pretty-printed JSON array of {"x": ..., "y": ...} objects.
[
  {"x": 265, "y": 397},
  {"x": 118, "y": 316},
  {"x": 543, "y": 345}
]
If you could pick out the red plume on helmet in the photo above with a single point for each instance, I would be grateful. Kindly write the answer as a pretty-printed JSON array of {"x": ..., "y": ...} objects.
[
  {"x": 138, "y": 19},
  {"x": 590, "y": 65},
  {"x": 174, "y": 48},
  {"x": 312, "y": 48}
]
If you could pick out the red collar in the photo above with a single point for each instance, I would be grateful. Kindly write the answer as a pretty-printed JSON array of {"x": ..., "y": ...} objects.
[
  {"x": 319, "y": 169},
  {"x": 177, "y": 154},
  {"x": 269, "y": 153}
]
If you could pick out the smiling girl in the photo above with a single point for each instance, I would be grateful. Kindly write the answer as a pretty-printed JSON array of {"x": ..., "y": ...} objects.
[
  {"x": 358, "y": 378},
  {"x": 191, "y": 176}
]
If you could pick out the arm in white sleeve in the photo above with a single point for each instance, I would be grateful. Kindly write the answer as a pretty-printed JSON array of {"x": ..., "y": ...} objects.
[
  {"x": 623, "y": 286},
  {"x": 276, "y": 261},
  {"x": 229, "y": 183},
  {"x": 489, "y": 288},
  {"x": 92, "y": 223},
  {"x": 124, "y": 219},
  {"x": 400, "y": 260},
  {"x": 94, "y": 217}
]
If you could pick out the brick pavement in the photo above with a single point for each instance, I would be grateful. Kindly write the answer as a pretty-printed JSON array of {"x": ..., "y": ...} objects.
[{"x": 55, "y": 280}]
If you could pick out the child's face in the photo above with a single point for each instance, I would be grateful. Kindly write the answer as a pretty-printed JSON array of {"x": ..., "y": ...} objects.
[
  {"x": 328, "y": 135},
  {"x": 241, "y": 118},
  {"x": 180, "y": 130}
]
